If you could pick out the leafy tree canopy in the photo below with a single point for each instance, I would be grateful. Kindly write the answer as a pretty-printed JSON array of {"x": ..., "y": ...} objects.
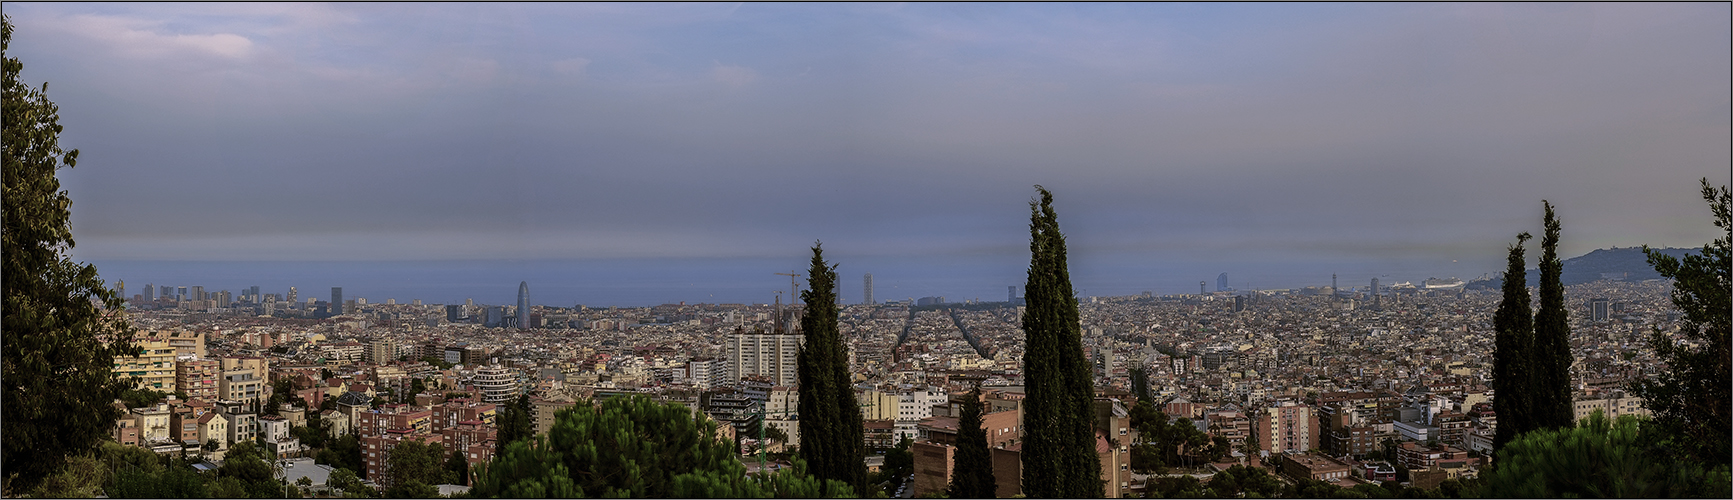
[
  {"x": 60, "y": 328},
  {"x": 632, "y": 446}
]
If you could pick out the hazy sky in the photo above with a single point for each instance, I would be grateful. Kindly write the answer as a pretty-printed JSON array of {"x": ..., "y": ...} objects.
[{"x": 1212, "y": 133}]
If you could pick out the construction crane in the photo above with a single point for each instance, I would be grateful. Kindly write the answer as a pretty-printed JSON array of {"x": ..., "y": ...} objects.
[{"x": 793, "y": 286}]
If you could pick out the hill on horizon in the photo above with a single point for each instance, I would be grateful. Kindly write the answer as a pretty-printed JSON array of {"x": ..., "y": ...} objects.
[{"x": 1629, "y": 264}]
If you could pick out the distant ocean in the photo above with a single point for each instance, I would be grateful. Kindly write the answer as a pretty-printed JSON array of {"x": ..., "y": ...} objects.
[{"x": 648, "y": 282}]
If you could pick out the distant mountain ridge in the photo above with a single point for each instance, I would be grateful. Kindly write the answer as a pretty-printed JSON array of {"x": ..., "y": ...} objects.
[{"x": 1627, "y": 263}]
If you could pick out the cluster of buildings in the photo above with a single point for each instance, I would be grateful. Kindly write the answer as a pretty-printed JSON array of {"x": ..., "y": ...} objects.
[{"x": 1339, "y": 386}]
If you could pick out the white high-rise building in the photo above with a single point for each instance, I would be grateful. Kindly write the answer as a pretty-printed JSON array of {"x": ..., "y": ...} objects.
[
  {"x": 768, "y": 354},
  {"x": 497, "y": 384}
]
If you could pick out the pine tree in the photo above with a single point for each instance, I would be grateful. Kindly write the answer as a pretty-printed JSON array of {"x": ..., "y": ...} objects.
[
  {"x": 1059, "y": 457},
  {"x": 1512, "y": 364},
  {"x": 832, "y": 436},
  {"x": 1691, "y": 399},
  {"x": 1552, "y": 406},
  {"x": 514, "y": 423},
  {"x": 972, "y": 475},
  {"x": 62, "y": 327}
]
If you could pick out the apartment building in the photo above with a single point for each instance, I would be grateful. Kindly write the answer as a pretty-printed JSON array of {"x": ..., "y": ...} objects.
[
  {"x": 766, "y": 354},
  {"x": 154, "y": 367},
  {"x": 198, "y": 378}
]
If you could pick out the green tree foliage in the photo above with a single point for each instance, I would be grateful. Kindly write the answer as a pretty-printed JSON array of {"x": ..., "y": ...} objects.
[
  {"x": 1140, "y": 383},
  {"x": 1059, "y": 457},
  {"x": 1600, "y": 458},
  {"x": 345, "y": 481},
  {"x": 1151, "y": 425},
  {"x": 81, "y": 476},
  {"x": 1249, "y": 481},
  {"x": 1691, "y": 399},
  {"x": 1513, "y": 342},
  {"x": 1552, "y": 356},
  {"x": 139, "y": 398},
  {"x": 899, "y": 463},
  {"x": 632, "y": 446},
  {"x": 831, "y": 431},
  {"x": 61, "y": 335},
  {"x": 459, "y": 467},
  {"x": 515, "y": 423},
  {"x": 344, "y": 452},
  {"x": 972, "y": 473},
  {"x": 415, "y": 467},
  {"x": 170, "y": 482}
]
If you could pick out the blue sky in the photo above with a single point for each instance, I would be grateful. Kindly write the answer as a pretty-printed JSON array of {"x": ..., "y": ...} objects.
[{"x": 1220, "y": 134}]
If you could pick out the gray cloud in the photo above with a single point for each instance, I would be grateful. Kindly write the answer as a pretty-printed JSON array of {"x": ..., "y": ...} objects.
[{"x": 1189, "y": 132}]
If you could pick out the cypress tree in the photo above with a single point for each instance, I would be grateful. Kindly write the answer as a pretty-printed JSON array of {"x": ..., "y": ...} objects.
[
  {"x": 1511, "y": 359},
  {"x": 1552, "y": 334},
  {"x": 1059, "y": 457},
  {"x": 972, "y": 475},
  {"x": 831, "y": 432}
]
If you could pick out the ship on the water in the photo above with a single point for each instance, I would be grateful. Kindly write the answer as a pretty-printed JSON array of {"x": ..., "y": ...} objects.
[{"x": 1436, "y": 283}]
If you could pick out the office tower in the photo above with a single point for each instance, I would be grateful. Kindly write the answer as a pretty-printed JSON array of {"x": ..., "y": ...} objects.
[
  {"x": 149, "y": 292},
  {"x": 291, "y": 298},
  {"x": 1222, "y": 282},
  {"x": 181, "y": 294},
  {"x": 120, "y": 288},
  {"x": 1200, "y": 287},
  {"x": 523, "y": 305},
  {"x": 197, "y": 293},
  {"x": 869, "y": 289},
  {"x": 254, "y": 293},
  {"x": 336, "y": 300},
  {"x": 1239, "y": 303},
  {"x": 495, "y": 316},
  {"x": 453, "y": 312},
  {"x": 1011, "y": 294},
  {"x": 222, "y": 298},
  {"x": 767, "y": 354},
  {"x": 1332, "y": 285},
  {"x": 1376, "y": 301},
  {"x": 165, "y": 292},
  {"x": 1598, "y": 309}
]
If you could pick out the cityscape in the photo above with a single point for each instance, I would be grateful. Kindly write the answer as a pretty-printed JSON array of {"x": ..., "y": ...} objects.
[
  {"x": 997, "y": 250},
  {"x": 1400, "y": 369}
]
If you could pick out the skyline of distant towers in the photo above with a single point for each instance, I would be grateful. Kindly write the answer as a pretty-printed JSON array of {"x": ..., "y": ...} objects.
[
  {"x": 336, "y": 300},
  {"x": 869, "y": 289},
  {"x": 1222, "y": 282},
  {"x": 523, "y": 305}
]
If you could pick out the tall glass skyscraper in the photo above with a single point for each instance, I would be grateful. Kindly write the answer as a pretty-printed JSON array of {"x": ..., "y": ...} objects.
[
  {"x": 869, "y": 289},
  {"x": 336, "y": 300},
  {"x": 523, "y": 305}
]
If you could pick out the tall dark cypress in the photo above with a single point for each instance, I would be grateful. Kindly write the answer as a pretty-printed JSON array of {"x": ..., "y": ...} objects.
[
  {"x": 1552, "y": 334},
  {"x": 832, "y": 437},
  {"x": 1512, "y": 363},
  {"x": 972, "y": 475},
  {"x": 1059, "y": 457}
]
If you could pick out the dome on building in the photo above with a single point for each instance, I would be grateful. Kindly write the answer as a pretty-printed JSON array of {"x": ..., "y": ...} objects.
[{"x": 353, "y": 398}]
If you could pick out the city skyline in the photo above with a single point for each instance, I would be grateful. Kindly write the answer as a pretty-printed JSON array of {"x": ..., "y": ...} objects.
[{"x": 1276, "y": 143}]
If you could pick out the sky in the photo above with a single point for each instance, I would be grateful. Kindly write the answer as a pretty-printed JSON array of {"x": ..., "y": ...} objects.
[{"x": 1276, "y": 142}]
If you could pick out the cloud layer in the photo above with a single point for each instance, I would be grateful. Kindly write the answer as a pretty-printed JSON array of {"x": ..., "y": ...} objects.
[{"x": 1216, "y": 133}]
